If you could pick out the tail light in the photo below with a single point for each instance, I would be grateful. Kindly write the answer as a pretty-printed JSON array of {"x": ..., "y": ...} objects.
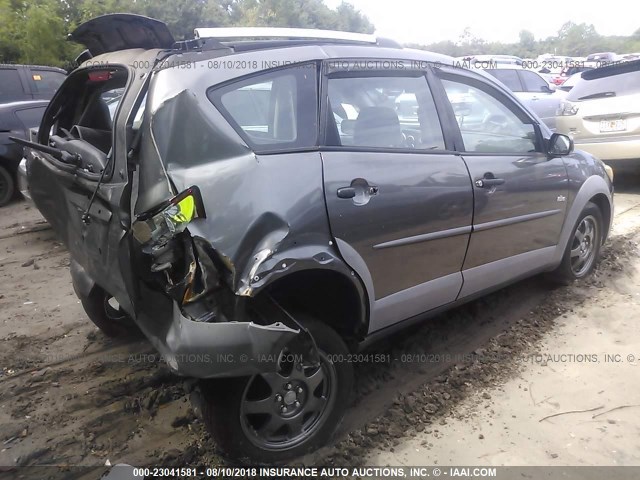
[{"x": 567, "y": 109}]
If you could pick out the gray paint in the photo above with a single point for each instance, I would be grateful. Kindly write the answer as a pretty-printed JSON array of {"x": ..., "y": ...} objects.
[
  {"x": 406, "y": 251},
  {"x": 415, "y": 300},
  {"x": 507, "y": 270},
  {"x": 418, "y": 194},
  {"x": 452, "y": 232},
  {"x": 512, "y": 220}
]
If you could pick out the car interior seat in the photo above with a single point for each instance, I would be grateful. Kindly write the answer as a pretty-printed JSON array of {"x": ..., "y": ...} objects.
[{"x": 378, "y": 127}]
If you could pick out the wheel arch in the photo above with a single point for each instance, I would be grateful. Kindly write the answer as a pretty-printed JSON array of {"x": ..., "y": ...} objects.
[
  {"x": 327, "y": 295},
  {"x": 605, "y": 206},
  {"x": 595, "y": 189}
]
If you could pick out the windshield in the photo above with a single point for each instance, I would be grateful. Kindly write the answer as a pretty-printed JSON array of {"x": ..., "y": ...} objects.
[{"x": 611, "y": 86}]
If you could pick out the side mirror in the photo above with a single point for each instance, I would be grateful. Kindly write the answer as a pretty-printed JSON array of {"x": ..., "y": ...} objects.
[
  {"x": 559, "y": 145},
  {"x": 548, "y": 88}
]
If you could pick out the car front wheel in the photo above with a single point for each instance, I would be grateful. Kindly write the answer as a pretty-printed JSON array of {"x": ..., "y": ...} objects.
[
  {"x": 583, "y": 250},
  {"x": 275, "y": 416}
]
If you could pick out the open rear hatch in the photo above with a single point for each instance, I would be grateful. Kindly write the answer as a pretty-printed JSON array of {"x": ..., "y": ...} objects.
[{"x": 122, "y": 31}]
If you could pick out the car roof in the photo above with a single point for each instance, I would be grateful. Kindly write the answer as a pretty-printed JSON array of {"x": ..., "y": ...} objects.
[
  {"x": 40, "y": 67},
  {"x": 610, "y": 70}
]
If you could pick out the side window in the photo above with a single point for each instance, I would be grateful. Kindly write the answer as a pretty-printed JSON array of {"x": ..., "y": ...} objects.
[
  {"x": 46, "y": 81},
  {"x": 486, "y": 123},
  {"x": 533, "y": 82},
  {"x": 384, "y": 112},
  {"x": 30, "y": 117},
  {"x": 275, "y": 110},
  {"x": 10, "y": 85},
  {"x": 508, "y": 77}
]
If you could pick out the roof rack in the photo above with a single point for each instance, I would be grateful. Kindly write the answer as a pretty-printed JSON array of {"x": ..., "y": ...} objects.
[{"x": 282, "y": 32}]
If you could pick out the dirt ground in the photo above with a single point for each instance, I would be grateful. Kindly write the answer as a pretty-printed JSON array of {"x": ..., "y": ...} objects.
[{"x": 472, "y": 386}]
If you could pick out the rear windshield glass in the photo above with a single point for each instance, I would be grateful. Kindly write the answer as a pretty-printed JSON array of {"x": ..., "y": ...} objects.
[{"x": 612, "y": 86}]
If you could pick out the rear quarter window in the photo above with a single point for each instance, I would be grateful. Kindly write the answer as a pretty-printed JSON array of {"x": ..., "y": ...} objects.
[{"x": 273, "y": 111}]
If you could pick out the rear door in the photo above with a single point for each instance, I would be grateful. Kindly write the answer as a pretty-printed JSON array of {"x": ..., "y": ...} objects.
[
  {"x": 519, "y": 192},
  {"x": 399, "y": 199}
]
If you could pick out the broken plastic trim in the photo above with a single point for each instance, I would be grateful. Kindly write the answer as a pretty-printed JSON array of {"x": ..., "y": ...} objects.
[{"x": 169, "y": 218}]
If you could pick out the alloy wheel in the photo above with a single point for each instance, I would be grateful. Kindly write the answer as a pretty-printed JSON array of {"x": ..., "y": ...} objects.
[
  {"x": 282, "y": 409},
  {"x": 584, "y": 245}
]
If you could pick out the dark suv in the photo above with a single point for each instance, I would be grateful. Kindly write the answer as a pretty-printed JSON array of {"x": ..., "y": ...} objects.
[
  {"x": 29, "y": 82},
  {"x": 260, "y": 208}
]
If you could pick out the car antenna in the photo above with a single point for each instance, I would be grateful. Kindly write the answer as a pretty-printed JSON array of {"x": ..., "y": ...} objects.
[{"x": 86, "y": 218}]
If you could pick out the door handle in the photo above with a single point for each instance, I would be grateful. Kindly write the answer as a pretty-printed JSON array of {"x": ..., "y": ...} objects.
[
  {"x": 358, "y": 188},
  {"x": 346, "y": 192},
  {"x": 488, "y": 182}
]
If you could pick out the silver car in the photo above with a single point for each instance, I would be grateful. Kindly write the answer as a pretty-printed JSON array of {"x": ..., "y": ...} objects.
[{"x": 533, "y": 90}]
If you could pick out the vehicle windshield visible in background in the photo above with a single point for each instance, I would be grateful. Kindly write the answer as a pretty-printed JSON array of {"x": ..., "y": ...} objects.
[{"x": 614, "y": 85}]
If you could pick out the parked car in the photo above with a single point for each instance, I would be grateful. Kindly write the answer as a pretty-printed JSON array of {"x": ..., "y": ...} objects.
[
  {"x": 532, "y": 89},
  {"x": 567, "y": 72},
  {"x": 602, "y": 58},
  {"x": 568, "y": 84},
  {"x": 258, "y": 247},
  {"x": 15, "y": 120},
  {"x": 602, "y": 112},
  {"x": 29, "y": 82}
]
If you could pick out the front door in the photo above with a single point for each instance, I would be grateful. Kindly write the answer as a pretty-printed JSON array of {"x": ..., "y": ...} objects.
[
  {"x": 399, "y": 201},
  {"x": 520, "y": 194}
]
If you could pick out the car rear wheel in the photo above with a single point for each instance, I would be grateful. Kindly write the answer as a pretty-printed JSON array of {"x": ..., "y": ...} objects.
[
  {"x": 583, "y": 249},
  {"x": 103, "y": 310},
  {"x": 275, "y": 416},
  {"x": 7, "y": 186}
]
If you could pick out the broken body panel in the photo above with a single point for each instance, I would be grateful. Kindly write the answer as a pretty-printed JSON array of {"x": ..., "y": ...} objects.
[{"x": 201, "y": 289}]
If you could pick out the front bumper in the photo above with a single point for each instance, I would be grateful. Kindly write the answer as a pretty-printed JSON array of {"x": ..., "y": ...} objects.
[{"x": 224, "y": 349}]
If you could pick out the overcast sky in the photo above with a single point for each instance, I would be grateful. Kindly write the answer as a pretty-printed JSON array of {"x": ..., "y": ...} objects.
[{"x": 424, "y": 21}]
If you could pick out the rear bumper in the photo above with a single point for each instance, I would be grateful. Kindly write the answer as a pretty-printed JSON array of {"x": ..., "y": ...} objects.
[
  {"x": 226, "y": 349},
  {"x": 612, "y": 150},
  {"x": 201, "y": 349}
]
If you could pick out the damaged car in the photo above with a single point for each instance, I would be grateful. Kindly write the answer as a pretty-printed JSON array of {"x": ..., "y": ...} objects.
[{"x": 262, "y": 202}]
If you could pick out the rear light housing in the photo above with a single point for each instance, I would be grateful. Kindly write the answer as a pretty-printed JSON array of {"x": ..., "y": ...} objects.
[{"x": 567, "y": 109}]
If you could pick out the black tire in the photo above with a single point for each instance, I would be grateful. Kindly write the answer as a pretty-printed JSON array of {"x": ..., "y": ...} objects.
[
  {"x": 7, "y": 186},
  {"x": 237, "y": 432},
  {"x": 112, "y": 321},
  {"x": 583, "y": 248}
]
